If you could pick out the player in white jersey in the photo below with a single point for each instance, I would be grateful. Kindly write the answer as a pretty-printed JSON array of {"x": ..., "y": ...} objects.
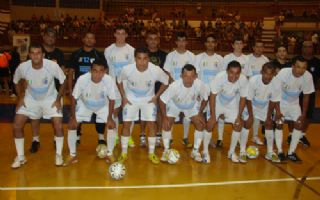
[
  {"x": 264, "y": 92},
  {"x": 255, "y": 62},
  {"x": 118, "y": 55},
  {"x": 227, "y": 101},
  {"x": 40, "y": 99},
  {"x": 175, "y": 61},
  {"x": 183, "y": 96},
  {"x": 210, "y": 64},
  {"x": 136, "y": 85},
  {"x": 293, "y": 82},
  {"x": 94, "y": 92}
]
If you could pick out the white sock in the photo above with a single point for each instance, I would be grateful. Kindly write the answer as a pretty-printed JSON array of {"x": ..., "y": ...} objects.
[
  {"x": 186, "y": 126},
  {"x": 206, "y": 141},
  {"x": 255, "y": 127},
  {"x": 243, "y": 139},
  {"x": 59, "y": 145},
  {"x": 35, "y": 138},
  {"x": 270, "y": 139},
  {"x": 152, "y": 144},
  {"x": 166, "y": 137},
  {"x": 278, "y": 135},
  {"x": 198, "y": 135},
  {"x": 220, "y": 129},
  {"x": 295, "y": 137},
  {"x": 111, "y": 137},
  {"x": 234, "y": 140},
  {"x": 72, "y": 140},
  {"x": 124, "y": 143},
  {"x": 19, "y": 142},
  {"x": 131, "y": 128},
  {"x": 100, "y": 136}
]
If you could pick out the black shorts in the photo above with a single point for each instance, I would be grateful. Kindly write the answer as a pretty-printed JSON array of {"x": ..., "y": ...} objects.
[
  {"x": 4, "y": 72},
  {"x": 311, "y": 106}
]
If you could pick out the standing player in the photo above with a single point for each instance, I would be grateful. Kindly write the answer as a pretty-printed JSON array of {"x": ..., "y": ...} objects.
[
  {"x": 228, "y": 98},
  {"x": 136, "y": 85},
  {"x": 281, "y": 58},
  {"x": 173, "y": 65},
  {"x": 157, "y": 57},
  {"x": 293, "y": 82},
  {"x": 210, "y": 64},
  {"x": 94, "y": 92},
  {"x": 40, "y": 99},
  {"x": 80, "y": 63},
  {"x": 183, "y": 96},
  {"x": 118, "y": 55}
]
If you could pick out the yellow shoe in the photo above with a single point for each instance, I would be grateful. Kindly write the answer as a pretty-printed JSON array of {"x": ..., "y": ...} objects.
[
  {"x": 131, "y": 142},
  {"x": 154, "y": 158},
  {"x": 70, "y": 160},
  {"x": 123, "y": 157},
  {"x": 110, "y": 159}
]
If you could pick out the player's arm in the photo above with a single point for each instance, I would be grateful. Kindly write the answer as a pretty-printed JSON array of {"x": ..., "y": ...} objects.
[
  {"x": 305, "y": 104},
  {"x": 123, "y": 94},
  {"x": 212, "y": 105},
  {"x": 242, "y": 104},
  {"x": 249, "y": 107}
]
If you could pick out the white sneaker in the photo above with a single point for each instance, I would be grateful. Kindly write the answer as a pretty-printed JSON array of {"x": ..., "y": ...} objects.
[
  {"x": 243, "y": 158},
  {"x": 59, "y": 160},
  {"x": 17, "y": 162},
  {"x": 195, "y": 155},
  {"x": 273, "y": 157},
  {"x": 234, "y": 158},
  {"x": 164, "y": 157},
  {"x": 206, "y": 158},
  {"x": 257, "y": 141}
]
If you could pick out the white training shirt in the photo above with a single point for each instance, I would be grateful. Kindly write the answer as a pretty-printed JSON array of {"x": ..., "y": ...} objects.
[
  {"x": 175, "y": 62},
  {"x": 94, "y": 95},
  {"x": 185, "y": 98},
  {"x": 118, "y": 57},
  {"x": 255, "y": 64},
  {"x": 291, "y": 86},
  {"x": 139, "y": 86},
  {"x": 209, "y": 66},
  {"x": 40, "y": 82},
  {"x": 243, "y": 59},
  {"x": 228, "y": 93}
]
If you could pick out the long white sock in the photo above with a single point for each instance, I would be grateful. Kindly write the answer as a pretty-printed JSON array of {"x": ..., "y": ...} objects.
[
  {"x": 111, "y": 137},
  {"x": 220, "y": 129},
  {"x": 278, "y": 135},
  {"x": 19, "y": 142},
  {"x": 152, "y": 144},
  {"x": 166, "y": 137},
  {"x": 255, "y": 127},
  {"x": 234, "y": 140},
  {"x": 59, "y": 145},
  {"x": 206, "y": 141},
  {"x": 36, "y": 138},
  {"x": 124, "y": 144},
  {"x": 198, "y": 135},
  {"x": 72, "y": 140},
  {"x": 186, "y": 126},
  {"x": 295, "y": 137},
  {"x": 270, "y": 139},
  {"x": 243, "y": 139}
]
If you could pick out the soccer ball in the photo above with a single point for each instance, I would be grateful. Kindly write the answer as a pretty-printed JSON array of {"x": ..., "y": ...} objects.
[
  {"x": 173, "y": 156},
  {"x": 102, "y": 150},
  {"x": 117, "y": 171},
  {"x": 252, "y": 152}
]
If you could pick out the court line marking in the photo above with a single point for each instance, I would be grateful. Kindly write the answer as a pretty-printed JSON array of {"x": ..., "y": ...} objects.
[{"x": 156, "y": 186}]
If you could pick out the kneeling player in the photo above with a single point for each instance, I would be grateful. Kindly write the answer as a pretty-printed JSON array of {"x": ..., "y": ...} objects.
[
  {"x": 181, "y": 96},
  {"x": 94, "y": 92},
  {"x": 40, "y": 100}
]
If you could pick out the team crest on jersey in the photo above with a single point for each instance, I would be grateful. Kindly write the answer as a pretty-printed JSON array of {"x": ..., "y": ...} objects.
[
  {"x": 204, "y": 63},
  {"x": 127, "y": 56},
  {"x": 286, "y": 86},
  {"x": 216, "y": 64},
  {"x": 45, "y": 81},
  {"x": 149, "y": 83},
  {"x": 269, "y": 96},
  {"x": 102, "y": 96},
  {"x": 92, "y": 60},
  {"x": 174, "y": 63}
]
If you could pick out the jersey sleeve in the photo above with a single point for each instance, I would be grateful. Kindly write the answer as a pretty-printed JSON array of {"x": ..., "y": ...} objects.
[
  {"x": 123, "y": 75},
  {"x": 243, "y": 86},
  {"x": 215, "y": 86},
  {"x": 204, "y": 92},
  {"x": 167, "y": 64},
  {"x": 276, "y": 91},
  {"x": 161, "y": 75},
  {"x": 58, "y": 73},
  {"x": 167, "y": 94},
  {"x": 251, "y": 84},
  {"x": 76, "y": 93},
  {"x": 18, "y": 75},
  {"x": 225, "y": 62},
  {"x": 112, "y": 95},
  {"x": 308, "y": 86}
]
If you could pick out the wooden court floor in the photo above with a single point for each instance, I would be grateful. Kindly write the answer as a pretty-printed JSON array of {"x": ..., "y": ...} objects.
[{"x": 221, "y": 179}]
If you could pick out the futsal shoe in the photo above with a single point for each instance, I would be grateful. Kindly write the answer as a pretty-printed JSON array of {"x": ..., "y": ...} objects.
[
  {"x": 219, "y": 144},
  {"x": 59, "y": 160},
  {"x": 154, "y": 158},
  {"x": 282, "y": 157},
  {"x": 234, "y": 157},
  {"x": 257, "y": 141},
  {"x": 164, "y": 157},
  {"x": 131, "y": 142},
  {"x": 206, "y": 158},
  {"x": 18, "y": 162},
  {"x": 35, "y": 145},
  {"x": 186, "y": 143},
  {"x": 294, "y": 158},
  {"x": 272, "y": 157},
  {"x": 123, "y": 157},
  {"x": 196, "y": 156},
  {"x": 243, "y": 158},
  {"x": 70, "y": 160},
  {"x": 304, "y": 141},
  {"x": 110, "y": 158}
]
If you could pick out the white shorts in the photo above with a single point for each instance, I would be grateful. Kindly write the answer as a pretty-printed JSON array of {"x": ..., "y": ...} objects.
[
  {"x": 290, "y": 113},
  {"x": 131, "y": 112},
  {"x": 230, "y": 115},
  {"x": 36, "y": 109},
  {"x": 174, "y": 111},
  {"x": 259, "y": 114},
  {"x": 245, "y": 114},
  {"x": 117, "y": 103},
  {"x": 84, "y": 114}
]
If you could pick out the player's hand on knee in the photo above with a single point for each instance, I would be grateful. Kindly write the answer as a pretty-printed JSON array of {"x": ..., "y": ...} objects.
[
  {"x": 111, "y": 124},
  {"x": 299, "y": 123},
  {"x": 57, "y": 104},
  {"x": 125, "y": 101},
  {"x": 211, "y": 122},
  {"x": 20, "y": 103},
  {"x": 154, "y": 100},
  {"x": 166, "y": 123},
  {"x": 237, "y": 125},
  {"x": 200, "y": 119}
]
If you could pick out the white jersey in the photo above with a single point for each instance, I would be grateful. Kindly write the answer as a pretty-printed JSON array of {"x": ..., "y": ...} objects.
[
  {"x": 40, "y": 82},
  {"x": 139, "y": 86},
  {"x": 209, "y": 66},
  {"x": 183, "y": 97},
  {"x": 291, "y": 86},
  {"x": 118, "y": 57},
  {"x": 175, "y": 62},
  {"x": 255, "y": 64},
  {"x": 228, "y": 93},
  {"x": 243, "y": 59},
  {"x": 94, "y": 95}
]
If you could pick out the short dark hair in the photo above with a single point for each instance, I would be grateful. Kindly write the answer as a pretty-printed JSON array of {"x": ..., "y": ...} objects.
[
  {"x": 298, "y": 58},
  {"x": 120, "y": 27},
  {"x": 279, "y": 46},
  {"x": 88, "y": 32},
  {"x": 188, "y": 67},
  {"x": 234, "y": 64},
  {"x": 257, "y": 41},
  {"x": 181, "y": 35},
  {"x": 100, "y": 62},
  {"x": 210, "y": 35},
  {"x": 153, "y": 32},
  {"x": 36, "y": 46},
  {"x": 141, "y": 50},
  {"x": 237, "y": 38},
  {"x": 269, "y": 65},
  {"x": 50, "y": 30}
]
